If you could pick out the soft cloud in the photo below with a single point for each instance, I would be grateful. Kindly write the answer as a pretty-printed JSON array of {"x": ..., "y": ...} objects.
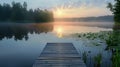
[
  {"x": 81, "y": 12},
  {"x": 59, "y": 3},
  {"x": 70, "y": 8}
]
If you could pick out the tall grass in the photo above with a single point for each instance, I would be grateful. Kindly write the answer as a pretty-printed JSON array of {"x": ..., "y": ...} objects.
[
  {"x": 98, "y": 60},
  {"x": 84, "y": 57},
  {"x": 116, "y": 59}
]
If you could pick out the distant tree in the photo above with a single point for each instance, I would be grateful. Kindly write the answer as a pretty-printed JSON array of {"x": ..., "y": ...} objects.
[
  {"x": 0, "y": 12},
  {"x": 25, "y": 5},
  {"x": 24, "y": 10},
  {"x": 19, "y": 12},
  {"x": 30, "y": 15},
  {"x": 115, "y": 8},
  {"x": 5, "y": 12},
  {"x": 43, "y": 15}
]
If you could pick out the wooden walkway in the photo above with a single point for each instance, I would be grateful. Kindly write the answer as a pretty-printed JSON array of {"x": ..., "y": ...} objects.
[{"x": 59, "y": 55}]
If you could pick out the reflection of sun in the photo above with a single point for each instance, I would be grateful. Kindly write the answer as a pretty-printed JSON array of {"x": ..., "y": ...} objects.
[{"x": 59, "y": 31}]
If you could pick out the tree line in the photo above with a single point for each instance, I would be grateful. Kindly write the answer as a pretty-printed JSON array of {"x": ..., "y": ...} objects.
[{"x": 19, "y": 12}]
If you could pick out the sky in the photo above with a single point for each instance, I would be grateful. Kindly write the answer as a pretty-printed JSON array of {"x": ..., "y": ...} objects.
[{"x": 69, "y": 8}]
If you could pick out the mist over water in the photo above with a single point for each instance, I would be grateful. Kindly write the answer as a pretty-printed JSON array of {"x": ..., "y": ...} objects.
[{"x": 21, "y": 44}]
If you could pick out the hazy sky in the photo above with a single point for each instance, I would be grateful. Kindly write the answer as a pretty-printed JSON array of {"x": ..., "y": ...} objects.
[{"x": 69, "y": 8}]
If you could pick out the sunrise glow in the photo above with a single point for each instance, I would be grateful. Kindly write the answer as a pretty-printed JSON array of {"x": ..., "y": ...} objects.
[
  {"x": 59, "y": 12},
  {"x": 80, "y": 12}
]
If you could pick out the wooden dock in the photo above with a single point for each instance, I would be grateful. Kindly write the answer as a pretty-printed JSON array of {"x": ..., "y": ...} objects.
[{"x": 59, "y": 55}]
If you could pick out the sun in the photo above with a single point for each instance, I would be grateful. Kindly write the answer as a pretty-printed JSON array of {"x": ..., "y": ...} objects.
[{"x": 59, "y": 12}]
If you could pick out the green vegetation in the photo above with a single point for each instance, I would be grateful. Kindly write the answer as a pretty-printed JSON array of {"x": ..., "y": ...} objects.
[
  {"x": 98, "y": 60},
  {"x": 95, "y": 39},
  {"x": 18, "y": 12},
  {"x": 116, "y": 59},
  {"x": 112, "y": 38},
  {"x": 115, "y": 9},
  {"x": 103, "y": 35},
  {"x": 96, "y": 44},
  {"x": 113, "y": 41},
  {"x": 85, "y": 57}
]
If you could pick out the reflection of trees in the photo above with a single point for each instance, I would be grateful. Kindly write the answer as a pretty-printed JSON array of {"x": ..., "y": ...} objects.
[{"x": 20, "y": 31}]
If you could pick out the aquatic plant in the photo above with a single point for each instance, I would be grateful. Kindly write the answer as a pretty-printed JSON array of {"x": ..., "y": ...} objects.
[
  {"x": 96, "y": 44},
  {"x": 116, "y": 59},
  {"x": 92, "y": 36},
  {"x": 84, "y": 57},
  {"x": 113, "y": 39},
  {"x": 79, "y": 36},
  {"x": 113, "y": 43},
  {"x": 98, "y": 60}
]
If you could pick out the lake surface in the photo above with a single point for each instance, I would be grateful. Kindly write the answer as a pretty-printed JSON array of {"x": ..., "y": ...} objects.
[{"x": 21, "y": 44}]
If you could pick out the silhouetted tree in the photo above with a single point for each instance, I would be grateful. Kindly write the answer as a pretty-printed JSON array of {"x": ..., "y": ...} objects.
[
  {"x": 19, "y": 12},
  {"x": 115, "y": 9},
  {"x": 5, "y": 12},
  {"x": 114, "y": 38}
]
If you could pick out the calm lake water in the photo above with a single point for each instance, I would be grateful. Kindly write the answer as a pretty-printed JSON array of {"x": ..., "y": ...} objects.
[{"x": 21, "y": 44}]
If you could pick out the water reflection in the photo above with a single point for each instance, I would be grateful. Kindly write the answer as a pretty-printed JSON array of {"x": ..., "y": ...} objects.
[
  {"x": 20, "y": 31},
  {"x": 59, "y": 31},
  {"x": 24, "y": 53},
  {"x": 62, "y": 29}
]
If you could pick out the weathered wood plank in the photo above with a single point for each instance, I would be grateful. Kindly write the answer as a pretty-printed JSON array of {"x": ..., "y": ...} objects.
[{"x": 59, "y": 55}]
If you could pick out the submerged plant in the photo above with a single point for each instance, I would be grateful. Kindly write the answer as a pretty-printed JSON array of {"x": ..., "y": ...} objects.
[
  {"x": 84, "y": 57},
  {"x": 96, "y": 44},
  {"x": 98, "y": 60}
]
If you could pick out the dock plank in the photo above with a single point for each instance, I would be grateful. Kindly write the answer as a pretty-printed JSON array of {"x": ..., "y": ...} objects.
[{"x": 59, "y": 55}]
